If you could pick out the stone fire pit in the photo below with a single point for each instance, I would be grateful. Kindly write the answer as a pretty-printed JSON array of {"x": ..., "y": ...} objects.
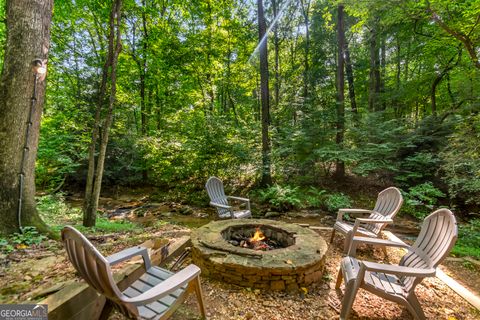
[{"x": 298, "y": 264}]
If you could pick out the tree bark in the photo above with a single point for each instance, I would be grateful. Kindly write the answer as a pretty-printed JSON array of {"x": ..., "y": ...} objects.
[
  {"x": 306, "y": 72},
  {"x": 114, "y": 49},
  {"x": 340, "y": 165},
  {"x": 265, "y": 97},
  {"x": 373, "y": 66},
  {"x": 350, "y": 78},
  {"x": 27, "y": 39},
  {"x": 276, "y": 45}
]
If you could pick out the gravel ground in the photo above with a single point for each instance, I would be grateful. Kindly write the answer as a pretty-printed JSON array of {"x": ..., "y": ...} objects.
[{"x": 225, "y": 301}]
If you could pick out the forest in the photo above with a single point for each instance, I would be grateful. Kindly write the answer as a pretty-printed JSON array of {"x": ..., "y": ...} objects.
[
  {"x": 299, "y": 105},
  {"x": 196, "y": 94}
]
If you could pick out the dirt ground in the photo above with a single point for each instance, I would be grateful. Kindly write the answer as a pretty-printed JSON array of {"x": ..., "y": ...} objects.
[
  {"x": 323, "y": 301},
  {"x": 29, "y": 275}
]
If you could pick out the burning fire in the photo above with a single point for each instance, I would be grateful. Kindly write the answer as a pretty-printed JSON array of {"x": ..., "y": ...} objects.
[{"x": 258, "y": 236}]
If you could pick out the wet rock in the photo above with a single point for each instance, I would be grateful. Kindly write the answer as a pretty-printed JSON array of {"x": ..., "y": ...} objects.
[
  {"x": 186, "y": 211},
  {"x": 272, "y": 214}
]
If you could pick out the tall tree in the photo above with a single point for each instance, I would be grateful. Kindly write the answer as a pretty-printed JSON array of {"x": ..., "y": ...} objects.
[
  {"x": 95, "y": 171},
  {"x": 350, "y": 78},
  {"x": 28, "y": 38},
  {"x": 305, "y": 5},
  {"x": 265, "y": 95},
  {"x": 340, "y": 165}
]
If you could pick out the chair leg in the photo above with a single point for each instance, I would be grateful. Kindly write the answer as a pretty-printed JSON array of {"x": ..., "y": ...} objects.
[
  {"x": 199, "y": 293},
  {"x": 414, "y": 307},
  {"x": 348, "y": 241},
  {"x": 339, "y": 279},
  {"x": 107, "y": 309},
  {"x": 347, "y": 302},
  {"x": 333, "y": 236}
]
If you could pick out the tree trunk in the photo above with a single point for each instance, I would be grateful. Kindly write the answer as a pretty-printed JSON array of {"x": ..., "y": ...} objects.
[
  {"x": 340, "y": 165},
  {"x": 382, "y": 73},
  {"x": 276, "y": 44},
  {"x": 306, "y": 72},
  {"x": 265, "y": 97},
  {"x": 373, "y": 66},
  {"x": 350, "y": 78},
  {"x": 439, "y": 78},
  {"x": 27, "y": 39},
  {"x": 114, "y": 49}
]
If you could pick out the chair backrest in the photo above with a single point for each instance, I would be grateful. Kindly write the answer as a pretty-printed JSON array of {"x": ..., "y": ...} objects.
[
  {"x": 216, "y": 193},
  {"x": 436, "y": 239},
  {"x": 94, "y": 268},
  {"x": 389, "y": 202}
]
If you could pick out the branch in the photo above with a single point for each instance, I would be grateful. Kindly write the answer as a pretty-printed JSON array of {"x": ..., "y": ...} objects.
[{"x": 465, "y": 39}]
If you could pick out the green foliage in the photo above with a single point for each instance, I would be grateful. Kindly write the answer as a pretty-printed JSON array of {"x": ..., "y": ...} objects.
[
  {"x": 281, "y": 198},
  {"x": 336, "y": 201},
  {"x": 188, "y": 104},
  {"x": 461, "y": 161},
  {"x": 107, "y": 225},
  {"x": 421, "y": 199},
  {"x": 28, "y": 237},
  {"x": 468, "y": 243},
  {"x": 55, "y": 211},
  {"x": 5, "y": 246},
  {"x": 313, "y": 197}
]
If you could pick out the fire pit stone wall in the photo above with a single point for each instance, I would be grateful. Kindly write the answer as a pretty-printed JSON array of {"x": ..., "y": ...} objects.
[{"x": 300, "y": 264}]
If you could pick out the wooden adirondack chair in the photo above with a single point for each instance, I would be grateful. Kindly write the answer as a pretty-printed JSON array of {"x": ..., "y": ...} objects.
[
  {"x": 219, "y": 200},
  {"x": 387, "y": 206},
  {"x": 155, "y": 295},
  {"x": 397, "y": 282}
]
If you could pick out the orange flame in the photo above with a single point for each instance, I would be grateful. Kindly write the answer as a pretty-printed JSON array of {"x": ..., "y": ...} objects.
[{"x": 258, "y": 236}]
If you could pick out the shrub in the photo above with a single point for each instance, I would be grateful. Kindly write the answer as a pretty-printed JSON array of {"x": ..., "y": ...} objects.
[
  {"x": 335, "y": 201},
  {"x": 281, "y": 198},
  {"x": 468, "y": 243},
  {"x": 313, "y": 197},
  {"x": 54, "y": 210},
  {"x": 29, "y": 236},
  {"x": 421, "y": 199}
]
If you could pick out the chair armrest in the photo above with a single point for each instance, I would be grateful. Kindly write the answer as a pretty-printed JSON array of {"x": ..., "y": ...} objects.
[
  {"x": 219, "y": 205},
  {"x": 347, "y": 210},
  {"x": 379, "y": 242},
  {"x": 130, "y": 253},
  {"x": 165, "y": 287},
  {"x": 371, "y": 221},
  {"x": 245, "y": 200},
  {"x": 358, "y": 221},
  {"x": 239, "y": 198},
  {"x": 398, "y": 270}
]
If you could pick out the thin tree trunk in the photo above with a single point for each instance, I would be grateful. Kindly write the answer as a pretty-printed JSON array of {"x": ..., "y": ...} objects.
[
  {"x": 340, "y": 165},
  {"x": 276, "y": 44},
  {"x": 350, "y": 78},
  {"x": 112, "y": 59},
  {"x": 88, "y": 220},
  {"x": 27, "y": 38},
  {"x": 306, "y": 71},
  {"x": 439, "y": 78},
  {"x": 399, "y": 63},
  {"x": 382, "y": 73},
  {"x": 372, "y": 77},
  {"x": 265, "y": 97}
]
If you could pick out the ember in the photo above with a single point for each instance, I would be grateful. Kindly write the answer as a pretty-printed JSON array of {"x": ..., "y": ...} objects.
[{"x": 257, "y": 242}]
